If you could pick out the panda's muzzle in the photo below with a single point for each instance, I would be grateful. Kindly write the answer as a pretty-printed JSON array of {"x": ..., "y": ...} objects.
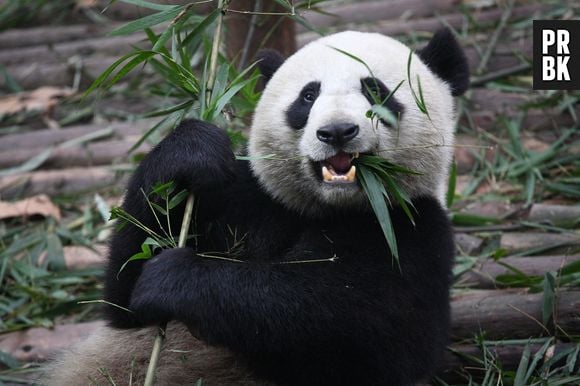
[{"x": 338, "y": 169}]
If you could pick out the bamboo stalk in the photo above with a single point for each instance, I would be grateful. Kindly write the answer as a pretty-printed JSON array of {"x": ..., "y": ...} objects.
[{"x": 159, "y": 339}]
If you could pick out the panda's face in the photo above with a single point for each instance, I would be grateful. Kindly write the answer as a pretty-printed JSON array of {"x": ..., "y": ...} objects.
[{"x": 312, "y": 121}]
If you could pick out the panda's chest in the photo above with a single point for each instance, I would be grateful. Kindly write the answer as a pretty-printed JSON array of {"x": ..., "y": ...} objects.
[
  {"x": 276, "y": 236},
  {"x": 250, "y": 239}
]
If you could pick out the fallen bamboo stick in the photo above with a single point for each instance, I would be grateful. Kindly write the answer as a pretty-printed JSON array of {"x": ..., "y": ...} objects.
[
  {"x": 49, "y": 137},
  {"x": 61, "y": 52},
  {"x": 497, "y": 313},
  {"x": 17, "y": 38},
  {"x": 511, "y": 314},
  {"x": 430, "y": 24},
  {"x": 58, "y": 182},
  {"x": 92, "y": 154}
]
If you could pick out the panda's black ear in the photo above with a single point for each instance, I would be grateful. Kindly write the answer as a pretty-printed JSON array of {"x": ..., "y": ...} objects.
[
  {"x": 444, "y": 57},
  {"x": 269, "y": 61}
]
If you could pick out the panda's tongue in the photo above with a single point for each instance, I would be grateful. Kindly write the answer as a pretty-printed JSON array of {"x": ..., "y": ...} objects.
[{"x": 341, "y": 162}]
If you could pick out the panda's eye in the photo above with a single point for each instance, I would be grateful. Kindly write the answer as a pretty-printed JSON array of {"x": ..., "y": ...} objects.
[{"x": 309, "y": 96}]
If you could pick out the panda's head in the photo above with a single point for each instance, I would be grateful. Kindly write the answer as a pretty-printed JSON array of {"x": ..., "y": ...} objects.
[{"x": 312, "y": 117}]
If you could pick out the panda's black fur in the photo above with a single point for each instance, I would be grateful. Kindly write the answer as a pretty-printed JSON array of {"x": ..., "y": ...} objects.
[
  {"x": 316, "y": 299},
  {"x": 360, "y": 319}
]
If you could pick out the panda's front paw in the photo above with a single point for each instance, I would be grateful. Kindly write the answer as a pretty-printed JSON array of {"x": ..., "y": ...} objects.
[
  {"x": 158, "y": 290},
  {"x": 198, "y": 156}
]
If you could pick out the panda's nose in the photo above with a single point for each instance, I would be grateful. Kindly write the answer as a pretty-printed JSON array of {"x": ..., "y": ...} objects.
[{"x": 337, "y": 134}]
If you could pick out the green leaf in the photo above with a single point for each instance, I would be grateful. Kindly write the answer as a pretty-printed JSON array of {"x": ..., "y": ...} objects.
[
  {"x": 105, "y": 75},
  {"x": 467, "y": 219},
  {"x": 386, "y": 114},
  {"x": 549, "y": 297},
  {"x": 143, "y": 255},
  {"x": 163, "y": 190},
  {"x": 356, "y": 58},
  {"x": 178, "y": 199},
  {"x": 55, "y": 252},
  {"x": 10, "y": 83},
  {"x": 176, "y": 25},
  {"x": 538, "y": 356},
  {"x": 520, "y": 379},
  {"x": 400, "y": 196},
  {"x": 8, "y": 360},
  {"x": 170, "y": 120},
  {"x": 572, "y": 358},
  {"x": 148, "y": 21},
  {"x": 147, "y": 4},
  {"x": 134, "y": 62},
  {"x": 98, "y": 134},
  {"x": 227, "y": 96},
  {"x": 158, "y": 208},
  {"x": 452, "y": 184},
  {"x": 170, "y": 110},
  {"x": 248, "y": 158},
  {"x": 197, "y": 32},
  {"x": 419, "y": 100},
  {"x": 530, "y": 187},
  {"x": 375, "y": 191}
]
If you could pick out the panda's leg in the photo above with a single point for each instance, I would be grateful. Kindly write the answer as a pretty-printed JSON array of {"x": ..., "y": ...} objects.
[
  {"x": 197, "y": 157},
  {"x": 113, "y": 356}
]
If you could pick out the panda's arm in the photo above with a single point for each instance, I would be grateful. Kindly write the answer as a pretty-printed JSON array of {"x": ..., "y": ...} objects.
[
  {"x": 197, "y": 157},
  {"x": 312, "y": 321}
]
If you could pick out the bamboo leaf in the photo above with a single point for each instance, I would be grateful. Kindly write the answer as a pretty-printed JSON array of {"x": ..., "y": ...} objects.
[
  {"x": 131, "y": 64},
  {"x": 175, "y": 26},
  {"x": 451, "y": 184},
  {"x": 538, "y": 356},
  {"x": 386, "y": 114},
  {"x": 374, "y": 190},
  {"x": 227, "y": 96},
  {"x": 178, "y": 199},
  {"x": 29, "y": 165},
  {"x": 356, "y": 58},
  {"x": 55, "y": 252},
  {"x": 148, "y": 21},
  {"x": 165, "y": 122},
  {"x": 549, "y": 297},
  {"x": 143, "y": 255},
  {"x": 105, "y": 75},
  {"x": 146, "y": 4},
  {"x": 520, "y": 379},
  {"x": 197, "y": 32}
]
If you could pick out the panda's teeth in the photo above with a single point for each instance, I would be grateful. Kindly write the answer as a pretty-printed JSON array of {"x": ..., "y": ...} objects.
[
  {"x": 329, "y": 175},
  {"x": 326, "y": 175},
  {"x": 350, "y": 176}
]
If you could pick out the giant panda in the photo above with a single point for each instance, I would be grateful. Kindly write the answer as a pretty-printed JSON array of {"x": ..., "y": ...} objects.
[{"x": 315, "y": 297}]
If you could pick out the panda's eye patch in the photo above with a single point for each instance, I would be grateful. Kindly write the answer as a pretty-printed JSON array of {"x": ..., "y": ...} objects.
[
  {"x": 298, "y": 112},
  {"x": 376, "y": 92}
]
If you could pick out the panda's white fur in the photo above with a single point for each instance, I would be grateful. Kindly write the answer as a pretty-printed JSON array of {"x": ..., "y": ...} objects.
[{"x": 423, "y": 143}]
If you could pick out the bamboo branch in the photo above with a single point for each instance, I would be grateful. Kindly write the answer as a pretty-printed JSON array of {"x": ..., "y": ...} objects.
[
  {"x": 188, "y": 212},
  {"x": 160, "y": 338}
]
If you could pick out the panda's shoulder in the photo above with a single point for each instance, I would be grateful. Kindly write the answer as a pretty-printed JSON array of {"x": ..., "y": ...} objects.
[{"x": 246, "y": 193}]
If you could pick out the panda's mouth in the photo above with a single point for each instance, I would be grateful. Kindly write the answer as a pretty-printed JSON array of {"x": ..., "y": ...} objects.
[{"x": 338, "y": 169}]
